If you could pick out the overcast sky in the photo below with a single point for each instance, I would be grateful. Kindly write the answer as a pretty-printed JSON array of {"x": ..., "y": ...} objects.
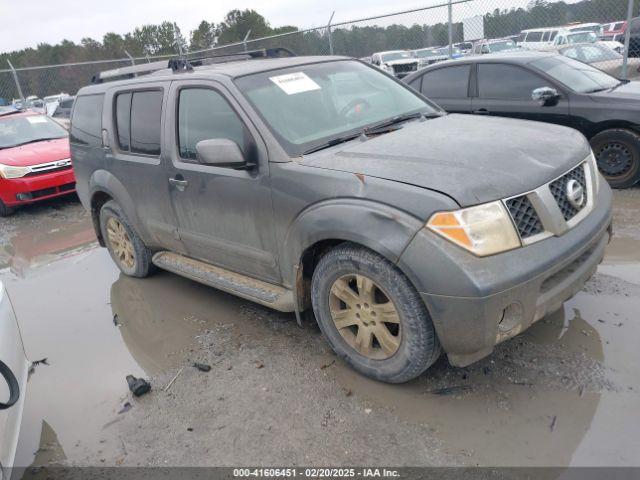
[{"x": 27, "y": 23}]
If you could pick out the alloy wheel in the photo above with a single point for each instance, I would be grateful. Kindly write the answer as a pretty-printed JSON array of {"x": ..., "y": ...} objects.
[
  {"x": 365, "y": 317},
  {"x": 120, "y": 243}
]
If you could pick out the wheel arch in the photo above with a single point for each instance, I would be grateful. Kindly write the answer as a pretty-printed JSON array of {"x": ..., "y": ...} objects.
[
  {"x": 103, "y": 187},
  {"x": 377, "y": 227},
  {"x": 613, "y": 125}
]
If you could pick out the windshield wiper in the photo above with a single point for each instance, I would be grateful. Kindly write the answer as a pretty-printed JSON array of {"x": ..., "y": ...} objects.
[
  {"x": 331, "y": 143},
  {"x": 396, "y": 120}
]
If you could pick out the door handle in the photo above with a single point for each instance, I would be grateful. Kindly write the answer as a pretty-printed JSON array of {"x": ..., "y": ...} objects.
[
  {"x": 12, "y": 382},
  {"x": 179, "y": 182},
  {"x": 481, "y": 111}
]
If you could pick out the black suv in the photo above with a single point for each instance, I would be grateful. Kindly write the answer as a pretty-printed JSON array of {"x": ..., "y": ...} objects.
[
  {"x": 323, "y": 184},
  {"x": 546, "y": 87}
]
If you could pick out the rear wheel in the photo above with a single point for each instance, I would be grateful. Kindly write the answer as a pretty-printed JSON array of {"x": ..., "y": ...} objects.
[
  {"x": 127, "y": 249},
  {"x": 372, "y": 316},
  {"x": 617, "y": 154}
]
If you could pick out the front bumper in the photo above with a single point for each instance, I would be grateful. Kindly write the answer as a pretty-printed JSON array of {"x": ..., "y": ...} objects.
[
  {"x": 475, "y": 303},
  {"x": 29, "y": 189}
]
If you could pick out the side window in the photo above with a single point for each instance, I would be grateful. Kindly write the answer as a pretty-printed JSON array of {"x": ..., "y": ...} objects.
[
  {"x": 545, "y": 36},
  {"x": 507, "y": 82},
  {"x": 123, "y": 120},
  {"x": 138, "y": 121},
  {"x": 534, "y": 36},
  {"x": 450, "y": 82},
  {"x": 204, "y": 114},
  {"x": 522, "y": 37},
  {"x": 86, "y": 124},
  {"x": 553, "y": 34}
]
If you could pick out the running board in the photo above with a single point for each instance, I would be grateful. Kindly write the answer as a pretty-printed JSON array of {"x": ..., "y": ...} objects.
[{"x": 264, "y": 293}]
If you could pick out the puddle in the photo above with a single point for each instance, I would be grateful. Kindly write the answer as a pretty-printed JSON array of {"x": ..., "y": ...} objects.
[{"x": 565, "y": 392}]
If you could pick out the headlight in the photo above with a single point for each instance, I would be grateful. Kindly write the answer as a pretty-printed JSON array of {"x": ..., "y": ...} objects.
[
  {"x": 8, "y": 171},
  {"x": 483, "y": 230}
]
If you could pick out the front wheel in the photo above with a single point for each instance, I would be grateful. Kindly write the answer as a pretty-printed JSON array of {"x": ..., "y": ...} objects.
[
  {"x": 4, "y": 210},
  {"x": 617, "y": 154},
  {"x": 372, "y": 316}
]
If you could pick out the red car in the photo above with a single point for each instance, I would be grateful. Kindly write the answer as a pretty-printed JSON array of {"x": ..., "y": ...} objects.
[{"x": 34, "y": 159}]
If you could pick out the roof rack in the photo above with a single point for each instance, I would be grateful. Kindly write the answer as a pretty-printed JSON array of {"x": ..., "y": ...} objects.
[{"x": 187, "y": 64}]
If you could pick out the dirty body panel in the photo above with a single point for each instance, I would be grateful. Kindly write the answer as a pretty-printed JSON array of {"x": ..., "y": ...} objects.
[{"x": 375, "y": 190}]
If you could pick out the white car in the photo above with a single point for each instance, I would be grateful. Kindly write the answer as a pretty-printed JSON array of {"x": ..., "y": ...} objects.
[
  {"x": 398, "y": 63},
  {"x": 541, "y": 38},
  {"x": 14, "y": 369},
  {"x": 572, "y": 38}
]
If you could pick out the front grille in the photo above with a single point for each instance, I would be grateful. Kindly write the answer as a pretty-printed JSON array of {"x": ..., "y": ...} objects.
[
  {"x": 50, "y": 170},
  {"x": 559, "y": 191},
  {"x": 405, "y": 67},
  {"x": 524, "y": 216},
  {"x": 67, "y": 187}
]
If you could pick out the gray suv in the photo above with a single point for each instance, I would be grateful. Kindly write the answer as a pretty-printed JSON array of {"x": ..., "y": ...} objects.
[{"x": 323, "y": 185}]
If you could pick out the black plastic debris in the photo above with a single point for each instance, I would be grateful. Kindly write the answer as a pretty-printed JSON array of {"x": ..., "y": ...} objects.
[
  {"x": 203, "y": 367},
  {"x": 138, "y": 386},
  {"x": 44, "y": 361}
]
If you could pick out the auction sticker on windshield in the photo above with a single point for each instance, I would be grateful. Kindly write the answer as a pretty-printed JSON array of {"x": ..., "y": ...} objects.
[{"x": 293, "y": 83}]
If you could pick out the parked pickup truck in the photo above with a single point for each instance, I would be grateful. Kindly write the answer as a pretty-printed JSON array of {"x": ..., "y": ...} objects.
[{"x": 321, "y": 184}]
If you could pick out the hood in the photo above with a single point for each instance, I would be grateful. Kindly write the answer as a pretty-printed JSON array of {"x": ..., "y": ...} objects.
[
  {"x": 36, "y": 153},
  {"x": 629, "y": 92},
  {"x": 472, "y": 159}
]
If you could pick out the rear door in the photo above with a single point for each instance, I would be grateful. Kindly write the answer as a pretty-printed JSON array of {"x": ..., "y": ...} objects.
[
  {"x": 448, "y": 87},
  {"x": 13, "y": 379},
  {"x": 138, "y": 161},
  {"x": 225, "y": 215},
  {"x": 505, "y": 90}
]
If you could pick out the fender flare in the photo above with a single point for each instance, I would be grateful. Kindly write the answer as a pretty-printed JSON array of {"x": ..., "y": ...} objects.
[
  {"x": 379, "y": 227},
  {"x": 102, "y": 181}
]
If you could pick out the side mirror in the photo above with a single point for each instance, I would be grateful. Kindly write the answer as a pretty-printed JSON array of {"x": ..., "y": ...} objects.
[
  {"x": 546, "y": 96},
  {"x": 220, "y": 152}
]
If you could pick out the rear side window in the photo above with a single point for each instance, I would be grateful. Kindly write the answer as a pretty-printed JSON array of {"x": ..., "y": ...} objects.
[
  {"x": 86, "y": 124},
  {"x": 204, "y": 114},
  {"x": 534, "y": 36},
  {"x": 68, "y": 103},
  {"x": 507, "y": 82},
  {"x": 138, "y": 121},
  {"x": 451, "y": 82}
]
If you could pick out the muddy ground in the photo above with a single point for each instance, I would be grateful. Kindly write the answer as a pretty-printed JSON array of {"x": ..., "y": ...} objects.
[{"x": 566, "y": 392}]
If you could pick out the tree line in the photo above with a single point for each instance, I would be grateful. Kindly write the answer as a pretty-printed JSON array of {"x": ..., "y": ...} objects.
[{"x": 354, "y": 39}]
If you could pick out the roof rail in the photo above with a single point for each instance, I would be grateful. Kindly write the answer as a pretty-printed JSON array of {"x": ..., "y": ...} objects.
[{"x": 183, "y": 64}]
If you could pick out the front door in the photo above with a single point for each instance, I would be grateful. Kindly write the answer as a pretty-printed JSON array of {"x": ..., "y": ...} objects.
[
  {"x": 505, "y": 90},
  {"x": 225, "y": 215}
]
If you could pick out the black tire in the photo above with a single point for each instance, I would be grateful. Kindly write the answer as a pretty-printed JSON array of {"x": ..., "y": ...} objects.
[
  {"x": 4, "y": 210},
  {"x": 141, "y": 254},
  {"x": 418, "y": 346},
  {"x": 617, "y": 153}
]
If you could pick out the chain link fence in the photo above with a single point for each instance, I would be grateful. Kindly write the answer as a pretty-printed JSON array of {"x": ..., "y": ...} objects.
[{"x": 599, "y": 32}]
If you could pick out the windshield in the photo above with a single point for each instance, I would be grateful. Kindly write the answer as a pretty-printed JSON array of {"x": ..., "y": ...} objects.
[
  {"x": 18, "y": 130},
  {"x": 500, "y": 46},
  {"x": 445, "y": 51},
  {"x": 577, "y": 76},
  {"x": 582, "y": 37},
  {"x": 390, "y": 57},
  {"x": 426, "y": 53},
  {"x": 591, "y": 53},
  {"x": 309, "y": 105}
]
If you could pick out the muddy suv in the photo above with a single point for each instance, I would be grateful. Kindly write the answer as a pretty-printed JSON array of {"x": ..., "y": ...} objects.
[{"x": 323, "y": 184}]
